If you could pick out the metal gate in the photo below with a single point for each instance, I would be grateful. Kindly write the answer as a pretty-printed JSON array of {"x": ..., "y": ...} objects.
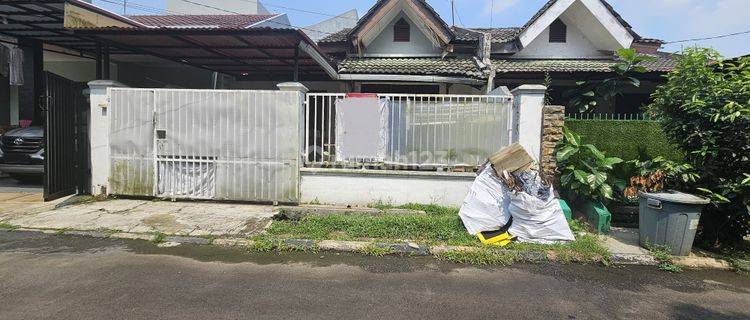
[
  {"x": 66, "y": 138},
  {"x": 205, "y": 144}
]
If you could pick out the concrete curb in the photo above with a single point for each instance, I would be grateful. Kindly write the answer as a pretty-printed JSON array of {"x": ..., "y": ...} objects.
[{"x": 404, "y": 248}]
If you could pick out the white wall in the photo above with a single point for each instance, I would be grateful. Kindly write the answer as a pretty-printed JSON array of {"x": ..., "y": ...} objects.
[
  {"x": 364, "y": 187},
  {"x": 420, "y": 45},
  {"x": 239, "y": 6},
  {"x": 577, "y": 46}
]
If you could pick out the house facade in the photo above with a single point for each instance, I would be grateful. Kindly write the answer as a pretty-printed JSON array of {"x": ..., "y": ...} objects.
[{"x": 405, "y": 46}]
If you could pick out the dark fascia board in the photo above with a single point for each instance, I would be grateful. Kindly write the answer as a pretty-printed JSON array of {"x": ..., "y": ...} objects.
[{"x": 422, "y": 3}]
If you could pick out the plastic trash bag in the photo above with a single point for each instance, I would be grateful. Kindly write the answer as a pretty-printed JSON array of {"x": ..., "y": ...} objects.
[
  {"x": 538, "y": 221},
  {"x": 486, "y": 206}
]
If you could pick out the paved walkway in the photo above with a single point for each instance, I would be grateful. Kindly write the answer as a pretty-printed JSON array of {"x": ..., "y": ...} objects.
[{"x": 141, "y": 216}]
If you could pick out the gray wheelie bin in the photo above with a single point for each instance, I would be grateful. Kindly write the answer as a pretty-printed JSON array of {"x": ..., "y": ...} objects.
[{"x": 670, "y": 219}]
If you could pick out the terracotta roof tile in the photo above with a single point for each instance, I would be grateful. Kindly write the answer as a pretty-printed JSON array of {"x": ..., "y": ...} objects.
[{"x": 201, "y": 21}]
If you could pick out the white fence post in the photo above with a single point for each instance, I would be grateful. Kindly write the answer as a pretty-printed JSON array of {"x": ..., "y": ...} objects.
[
  {"x": 302, "y": 99},
  {"x": 528, "y": 105},
  {"x": 99, "y": 134}
]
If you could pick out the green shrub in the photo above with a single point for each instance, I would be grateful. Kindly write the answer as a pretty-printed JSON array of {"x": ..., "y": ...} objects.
[
  {"x": 627, "y": 140},
  {"x": 705, "y": 108}
]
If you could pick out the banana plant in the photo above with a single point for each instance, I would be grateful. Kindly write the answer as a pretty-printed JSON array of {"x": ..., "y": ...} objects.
[{"x": 586, "y": 171}]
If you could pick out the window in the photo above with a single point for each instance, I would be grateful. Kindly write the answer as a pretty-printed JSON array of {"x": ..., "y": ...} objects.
[
  {"x": 401, "y": 31},
  {"x": 558, "y": 32}
]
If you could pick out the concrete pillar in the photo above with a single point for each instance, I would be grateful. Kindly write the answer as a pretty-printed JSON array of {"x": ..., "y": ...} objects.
[
  {"x": 99, "y": 134},
  {"x": 528, "y": 105},
  {"x": 301, "y": 100}
]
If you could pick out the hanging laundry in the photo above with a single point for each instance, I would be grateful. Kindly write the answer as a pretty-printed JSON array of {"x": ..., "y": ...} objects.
[
  {"x": 15, "y": 62},
  {"x": 4, "y": 60}
]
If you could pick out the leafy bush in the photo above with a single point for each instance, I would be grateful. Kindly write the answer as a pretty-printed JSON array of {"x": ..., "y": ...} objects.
[
  {"x": 705, "y": 109},
  {"x": 585, "y": 169},
  {"x": 656, "y": 175},
  {"x": 628, "y": 140}
]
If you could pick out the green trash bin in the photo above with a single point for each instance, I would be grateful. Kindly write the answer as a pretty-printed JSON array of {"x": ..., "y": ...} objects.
[{"x": 670, "y": 219}]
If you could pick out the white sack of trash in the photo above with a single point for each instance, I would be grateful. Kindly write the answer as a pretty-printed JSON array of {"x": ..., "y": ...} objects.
[
  {"x": 489, "y": 206},
  {"x": 486, "y": 207}
]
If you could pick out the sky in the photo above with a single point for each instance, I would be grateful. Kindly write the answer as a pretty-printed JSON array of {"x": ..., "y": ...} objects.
[{"x": 669, "y": 20}]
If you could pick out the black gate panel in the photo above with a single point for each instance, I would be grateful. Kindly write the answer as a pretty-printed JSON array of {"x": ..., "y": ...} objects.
[{"x": 66, "y": 137}]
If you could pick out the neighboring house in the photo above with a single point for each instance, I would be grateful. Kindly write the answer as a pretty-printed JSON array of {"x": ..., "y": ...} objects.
[
  {"x": 330, "y": 26},
  {"x": 213, "y": 7},
  {"x": 404, "y": 46}
]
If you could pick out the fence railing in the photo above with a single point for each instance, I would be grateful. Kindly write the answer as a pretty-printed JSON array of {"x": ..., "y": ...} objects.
[
  {"x": 609, "y": 116},
  {"x": 409, "y": 131}
]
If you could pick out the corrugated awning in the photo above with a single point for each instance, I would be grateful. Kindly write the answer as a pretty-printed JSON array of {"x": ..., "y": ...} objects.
[{"x": 264, "y": 52}]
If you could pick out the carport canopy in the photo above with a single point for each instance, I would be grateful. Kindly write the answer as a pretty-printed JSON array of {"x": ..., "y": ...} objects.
[{"x": 251, "y": 53}]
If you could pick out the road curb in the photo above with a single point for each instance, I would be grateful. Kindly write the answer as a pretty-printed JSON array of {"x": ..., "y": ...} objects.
[{"x": 403, "y": 248}]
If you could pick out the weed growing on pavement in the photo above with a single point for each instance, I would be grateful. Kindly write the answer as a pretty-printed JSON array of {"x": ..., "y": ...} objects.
[
  {"x": 7, "y": 226},
  {"x": 158, "y": 238},
  {"x": 663, "y": 255}
]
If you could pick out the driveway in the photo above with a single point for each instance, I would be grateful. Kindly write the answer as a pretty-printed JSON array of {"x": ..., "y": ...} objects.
[
  {"x": 60, "y": 277},
  {"x": 10, "y": 185}
]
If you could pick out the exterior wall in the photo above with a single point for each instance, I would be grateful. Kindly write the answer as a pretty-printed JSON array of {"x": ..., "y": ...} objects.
[
  {"x": 363, "y": 187},
  {"x": 419, "y": 45},
  {"x": 239, "y": 6},
  {"x": 552, "y": 134},
  {"x": 577, "y": 46}
]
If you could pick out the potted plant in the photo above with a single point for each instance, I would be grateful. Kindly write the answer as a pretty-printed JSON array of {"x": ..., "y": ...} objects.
[
  {"x": 586, "y": 178},
  {"x": 648, "y": 176}
]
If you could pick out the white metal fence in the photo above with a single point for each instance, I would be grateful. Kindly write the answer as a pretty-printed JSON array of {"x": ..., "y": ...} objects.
[
  {"x": 205, "y": 144},
  {"x": 609, "y": 116},
  {"x": 417, "y": 130}
]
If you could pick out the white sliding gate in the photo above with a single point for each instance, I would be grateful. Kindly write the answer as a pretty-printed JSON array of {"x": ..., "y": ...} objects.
[{"x": 205, "y": 144}]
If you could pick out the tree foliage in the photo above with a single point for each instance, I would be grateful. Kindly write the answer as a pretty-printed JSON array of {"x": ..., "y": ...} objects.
[
  {"x": 593, "y": 93},
  {"x": 705, "y": 109}
]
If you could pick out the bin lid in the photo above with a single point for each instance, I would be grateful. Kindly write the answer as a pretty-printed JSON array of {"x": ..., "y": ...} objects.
[{"x": 675, "y": 197}]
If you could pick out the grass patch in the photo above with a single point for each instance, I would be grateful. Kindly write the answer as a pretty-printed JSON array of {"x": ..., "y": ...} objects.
[
  {"x": 440, "y": 225},
  {"x": 479, "y": 257},
  {"x": 265, "y": 243}
]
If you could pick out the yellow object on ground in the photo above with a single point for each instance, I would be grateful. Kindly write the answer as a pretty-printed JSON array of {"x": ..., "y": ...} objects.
[{"x": 495, "y": 238}]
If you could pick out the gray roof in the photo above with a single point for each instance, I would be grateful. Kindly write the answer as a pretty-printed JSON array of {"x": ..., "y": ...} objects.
[
  {"x": 413, "y": 66},
  {"x": 663, "y": 62},
  {"x": 499, "y": 35},
  {"x": 338, "y": 36}
]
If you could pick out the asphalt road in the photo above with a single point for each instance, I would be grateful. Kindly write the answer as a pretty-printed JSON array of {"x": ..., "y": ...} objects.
[{"x": 59, "y": 277}]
